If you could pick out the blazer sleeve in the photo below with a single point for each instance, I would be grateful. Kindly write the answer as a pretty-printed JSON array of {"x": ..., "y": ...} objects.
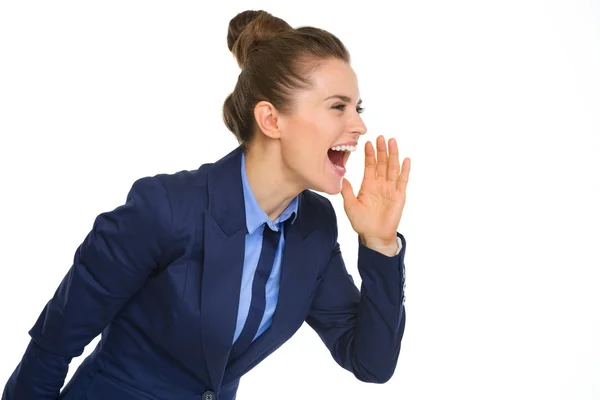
[
  {"x": 112, "y": 263},
  {"x": 362, "y": 329}
]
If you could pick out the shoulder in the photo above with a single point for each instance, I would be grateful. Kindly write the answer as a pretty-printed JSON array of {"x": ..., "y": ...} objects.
[
  {"x": 180, "y": 182},
  {"x": 177, "y": 186},
  {"x": 169, "y": 205},
  {"x": 171, "y": 197}
]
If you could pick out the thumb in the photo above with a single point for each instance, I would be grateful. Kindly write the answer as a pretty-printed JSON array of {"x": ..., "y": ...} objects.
[{"x": 347, "y": 193}]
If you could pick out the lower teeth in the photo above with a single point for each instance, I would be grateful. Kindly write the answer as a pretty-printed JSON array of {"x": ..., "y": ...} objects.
[{"x": 338, "y": 167}]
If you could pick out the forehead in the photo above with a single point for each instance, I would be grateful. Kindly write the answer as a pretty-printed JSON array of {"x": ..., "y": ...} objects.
[{"x": 333, "y": 77}]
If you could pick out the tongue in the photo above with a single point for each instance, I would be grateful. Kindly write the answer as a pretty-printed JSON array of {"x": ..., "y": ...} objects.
[{"x": 336, "y": 157}]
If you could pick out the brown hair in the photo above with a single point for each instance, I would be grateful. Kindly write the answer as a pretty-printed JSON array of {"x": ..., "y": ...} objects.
[{"x": 275, "y": 60}]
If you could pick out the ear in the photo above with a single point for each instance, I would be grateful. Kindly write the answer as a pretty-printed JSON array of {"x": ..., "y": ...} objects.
[{"x": 266, "y": 116}]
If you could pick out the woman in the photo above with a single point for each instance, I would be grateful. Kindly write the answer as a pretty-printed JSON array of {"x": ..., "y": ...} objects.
[{"x": 202, "y": 274}]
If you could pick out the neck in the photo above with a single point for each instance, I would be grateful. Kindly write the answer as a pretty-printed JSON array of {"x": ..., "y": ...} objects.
[{"x": 271, "y": 182}]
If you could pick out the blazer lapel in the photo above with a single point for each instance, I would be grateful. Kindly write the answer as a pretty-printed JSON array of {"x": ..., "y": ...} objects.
[
  {"x": 224, "y": 242},
  {"x": 223, "y": 261}
]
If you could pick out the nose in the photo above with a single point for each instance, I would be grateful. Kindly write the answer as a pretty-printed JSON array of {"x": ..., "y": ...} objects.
[{"x": 358, "y": 126}]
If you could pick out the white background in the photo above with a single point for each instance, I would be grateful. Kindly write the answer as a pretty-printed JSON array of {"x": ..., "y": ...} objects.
[{"x": 496, "y": 103}]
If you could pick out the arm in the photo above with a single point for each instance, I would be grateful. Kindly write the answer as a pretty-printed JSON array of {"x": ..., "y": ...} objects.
[
  {"x": 124, "y": 246},
  {"x": 362, "y": 330}
]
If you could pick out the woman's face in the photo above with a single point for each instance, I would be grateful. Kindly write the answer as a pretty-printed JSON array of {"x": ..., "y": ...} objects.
[{"x": 324, "y": 116}]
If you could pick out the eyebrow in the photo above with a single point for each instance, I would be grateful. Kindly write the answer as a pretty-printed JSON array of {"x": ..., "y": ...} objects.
[{"x": 343, "y": 98}]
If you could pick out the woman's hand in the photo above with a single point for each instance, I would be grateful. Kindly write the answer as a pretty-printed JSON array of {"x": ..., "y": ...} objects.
[{"x": 375, "y": 213}]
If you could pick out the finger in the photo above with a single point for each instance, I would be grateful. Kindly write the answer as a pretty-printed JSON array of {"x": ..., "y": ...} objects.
[
  {"x": 403, "y": 179},
  {"x": 394, "y": 162},
  {"x": 348, "y": 194},
  {"x": 382, "y": 157},
  {"x": 370, "y": 162}
]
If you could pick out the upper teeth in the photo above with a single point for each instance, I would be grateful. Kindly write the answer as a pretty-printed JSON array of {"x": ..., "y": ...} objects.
[{"x": 344, "y": 148}]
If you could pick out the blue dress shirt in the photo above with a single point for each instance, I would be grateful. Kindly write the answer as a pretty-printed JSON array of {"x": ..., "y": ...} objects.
[{"x": 256, "y": 219}]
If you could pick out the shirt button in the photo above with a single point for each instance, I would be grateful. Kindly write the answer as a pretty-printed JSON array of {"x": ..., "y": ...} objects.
[{"x": 209, "y": 395}]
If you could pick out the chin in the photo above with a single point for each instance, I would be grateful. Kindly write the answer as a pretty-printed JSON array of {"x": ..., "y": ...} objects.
[
  {"x": 327, "y": 185},
  {"x": 333, "y": 190},
  {"x": 324, "y": 181}
]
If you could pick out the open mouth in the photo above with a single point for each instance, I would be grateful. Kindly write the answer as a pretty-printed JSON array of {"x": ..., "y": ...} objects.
[{"x": 338, "y": 155}]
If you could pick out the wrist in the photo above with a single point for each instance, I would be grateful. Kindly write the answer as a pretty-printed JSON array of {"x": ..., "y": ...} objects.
[{"x": 384, "y": 246}]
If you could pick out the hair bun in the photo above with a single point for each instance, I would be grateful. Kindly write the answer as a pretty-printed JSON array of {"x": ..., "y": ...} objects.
[{"x": 248, "y": 29}]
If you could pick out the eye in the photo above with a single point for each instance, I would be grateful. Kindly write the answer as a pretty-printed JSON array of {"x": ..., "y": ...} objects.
[{"x": 342, "y": 107}]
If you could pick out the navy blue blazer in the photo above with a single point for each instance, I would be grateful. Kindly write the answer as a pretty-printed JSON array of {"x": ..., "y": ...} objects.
[{"x": 158, "y": 278}]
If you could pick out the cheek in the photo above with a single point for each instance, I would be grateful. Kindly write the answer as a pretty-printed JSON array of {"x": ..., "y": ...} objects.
[
  {"x": 317, "y": 139},
  {"x": 300, "y": 149},
  {"x": 307, "y": 141}
]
